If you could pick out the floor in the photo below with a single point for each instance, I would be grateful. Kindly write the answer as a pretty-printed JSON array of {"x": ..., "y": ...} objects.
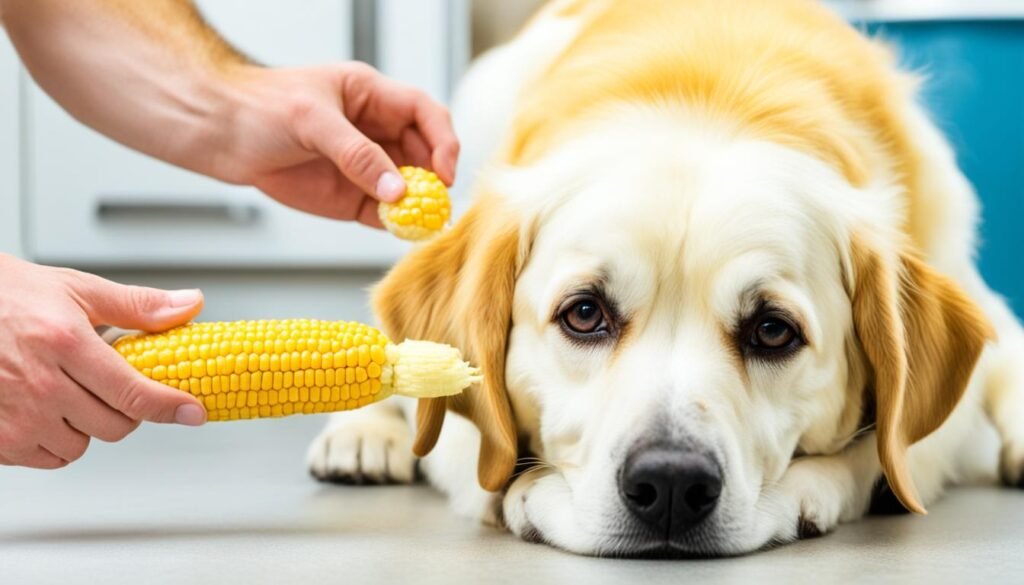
[{"x": 231, "y": 503}]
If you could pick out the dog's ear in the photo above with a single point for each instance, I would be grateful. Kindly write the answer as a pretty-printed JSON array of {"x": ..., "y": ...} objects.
[
  {"x": 457, "y": 289},
  {"x": 922, "y": 337}
]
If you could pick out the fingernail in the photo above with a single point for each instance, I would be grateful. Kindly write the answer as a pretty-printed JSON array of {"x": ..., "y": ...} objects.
[
  {"x": 190, "y": 414},
  {"x": 390, "y": 187},
  {"x": 184, "y": 298}
]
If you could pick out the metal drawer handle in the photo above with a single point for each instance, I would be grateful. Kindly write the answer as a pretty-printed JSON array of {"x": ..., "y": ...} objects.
[{"x": 110, "y": 209}]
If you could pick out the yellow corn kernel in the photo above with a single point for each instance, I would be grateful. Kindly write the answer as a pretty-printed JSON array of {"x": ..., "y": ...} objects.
[
  {"x": 422, "y": 213},
  {"x": 252, "y": 369}
]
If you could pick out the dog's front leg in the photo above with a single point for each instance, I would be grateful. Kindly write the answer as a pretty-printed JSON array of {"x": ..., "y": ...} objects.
[{"x": 818, "y": 492}]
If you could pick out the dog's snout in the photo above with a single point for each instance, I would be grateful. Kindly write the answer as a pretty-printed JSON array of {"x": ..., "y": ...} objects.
[{"x": 670, "y": 490}]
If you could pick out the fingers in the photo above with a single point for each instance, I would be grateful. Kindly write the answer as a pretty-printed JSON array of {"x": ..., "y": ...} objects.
[
  {"x": 401, "y": 109},
  {"x": 368, "y": 214},
  {"x": 36, "y": 457},
  {"x": 315, "y": 187},
  {"x": 93, "y": 417},
  {"x": 61, "y": 441},
  {"x": 99, "y": 368},
  {"x": 65, "y": 442},
  {"x": 414, "y": 150},
  {"x": 359, "y": 159},
  {"x": 435, "y": 124},
  {"x": 383, "y": 108},
  {"x": 133, "y": 307}
]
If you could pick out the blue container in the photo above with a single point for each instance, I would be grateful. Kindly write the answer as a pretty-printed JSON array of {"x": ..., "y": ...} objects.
[{"x": 975, "y": 92}]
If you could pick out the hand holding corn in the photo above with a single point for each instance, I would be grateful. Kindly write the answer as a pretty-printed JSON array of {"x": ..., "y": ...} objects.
[
  {"x": 258, "y": 369},
  {"x": 61, "y": 385}
]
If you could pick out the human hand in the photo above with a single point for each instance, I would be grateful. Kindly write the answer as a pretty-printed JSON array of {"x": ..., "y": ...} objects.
[
  {"x": 60, "y": 384},
  {"x": 327, "y": 139}
]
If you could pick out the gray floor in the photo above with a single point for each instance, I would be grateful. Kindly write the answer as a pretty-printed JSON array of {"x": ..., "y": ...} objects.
[{"x": 231, "y": 503}]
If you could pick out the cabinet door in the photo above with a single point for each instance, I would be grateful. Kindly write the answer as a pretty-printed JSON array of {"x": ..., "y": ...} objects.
[{"x": 93, "y": 202}]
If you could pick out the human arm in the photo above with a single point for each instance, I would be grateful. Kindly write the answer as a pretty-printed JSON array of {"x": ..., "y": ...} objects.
[{"x": 154, "y": 76}]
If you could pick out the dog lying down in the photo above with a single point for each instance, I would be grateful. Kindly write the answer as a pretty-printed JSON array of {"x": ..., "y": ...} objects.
[{"x": 719, "y": 275}]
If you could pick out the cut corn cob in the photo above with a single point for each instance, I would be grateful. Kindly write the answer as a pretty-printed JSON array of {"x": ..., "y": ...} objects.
[
  {"x": 423, "y": 212},
  {"x": 257, "y": 369}
]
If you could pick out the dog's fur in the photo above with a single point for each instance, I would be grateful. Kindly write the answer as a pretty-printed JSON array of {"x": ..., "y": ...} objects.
[{"x": 690, "y": 163}]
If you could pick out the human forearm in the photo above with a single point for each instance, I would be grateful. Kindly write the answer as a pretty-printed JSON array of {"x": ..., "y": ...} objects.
[{"x": 148, "y": 74}]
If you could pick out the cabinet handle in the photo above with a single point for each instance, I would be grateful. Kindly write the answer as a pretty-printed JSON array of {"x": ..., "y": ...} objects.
[{"x": 117, "y": 210}]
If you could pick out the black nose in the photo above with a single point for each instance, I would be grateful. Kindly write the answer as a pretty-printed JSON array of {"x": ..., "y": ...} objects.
[{"x": 670, "y": 490}]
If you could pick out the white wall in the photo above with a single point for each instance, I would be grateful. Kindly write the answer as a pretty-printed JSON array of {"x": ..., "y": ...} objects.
[{"x": 10, "y": 218}]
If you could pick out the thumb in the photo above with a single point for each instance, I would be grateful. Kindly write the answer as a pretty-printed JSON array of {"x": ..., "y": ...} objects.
[
  {"x": 359, "y": 159},
  {"x": 134, "y": 307}
]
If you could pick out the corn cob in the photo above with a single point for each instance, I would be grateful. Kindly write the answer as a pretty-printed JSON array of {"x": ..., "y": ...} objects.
[
  {"x": 258, "y": 369},
  {"x": 424, "y": 210}
]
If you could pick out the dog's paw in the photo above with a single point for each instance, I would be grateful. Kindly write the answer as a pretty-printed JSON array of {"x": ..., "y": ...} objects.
[
  {"x": 364, "y": 450},
  {"x": 513, "y": 509},
  {"x": 818, "y": 504},
  {"x": 538, "y": 508},
  {"x": 1011, "y": 464}
]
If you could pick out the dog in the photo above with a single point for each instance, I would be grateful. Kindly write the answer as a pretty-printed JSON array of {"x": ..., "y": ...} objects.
[{"x": 719, "y": 276}]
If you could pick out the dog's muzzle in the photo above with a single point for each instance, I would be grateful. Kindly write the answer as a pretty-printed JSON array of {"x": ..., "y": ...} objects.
[{"x": 670, "y": 490}]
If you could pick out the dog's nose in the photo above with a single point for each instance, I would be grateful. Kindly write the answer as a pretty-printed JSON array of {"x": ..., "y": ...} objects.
[{"x": 670, "y": 490}]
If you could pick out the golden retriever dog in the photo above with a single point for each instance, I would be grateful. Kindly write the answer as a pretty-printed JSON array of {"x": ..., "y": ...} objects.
[{"x": 719, "y": 275}]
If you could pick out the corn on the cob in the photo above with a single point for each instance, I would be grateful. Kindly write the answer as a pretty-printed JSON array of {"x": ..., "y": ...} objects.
[
  {"x": 423, "y": 212},
  {"x": 256, "y": 369}
]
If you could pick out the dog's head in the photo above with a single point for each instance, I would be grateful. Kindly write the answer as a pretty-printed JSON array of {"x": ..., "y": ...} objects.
[{"x": 667, "y": 324}]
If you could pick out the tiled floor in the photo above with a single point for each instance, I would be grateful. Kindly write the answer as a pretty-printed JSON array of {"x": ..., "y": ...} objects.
[{"x": 233, "y": 504}]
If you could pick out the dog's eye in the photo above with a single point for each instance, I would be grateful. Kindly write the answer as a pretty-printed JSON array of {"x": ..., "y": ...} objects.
[
  {"x": 584, "y": 316},
  {"x": 773, "y": 334}
]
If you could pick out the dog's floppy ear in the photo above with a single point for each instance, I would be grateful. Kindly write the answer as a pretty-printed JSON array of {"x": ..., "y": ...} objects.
[
  {"x": 457, "y": 289},
  {"x": 922, "y": 337}
]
